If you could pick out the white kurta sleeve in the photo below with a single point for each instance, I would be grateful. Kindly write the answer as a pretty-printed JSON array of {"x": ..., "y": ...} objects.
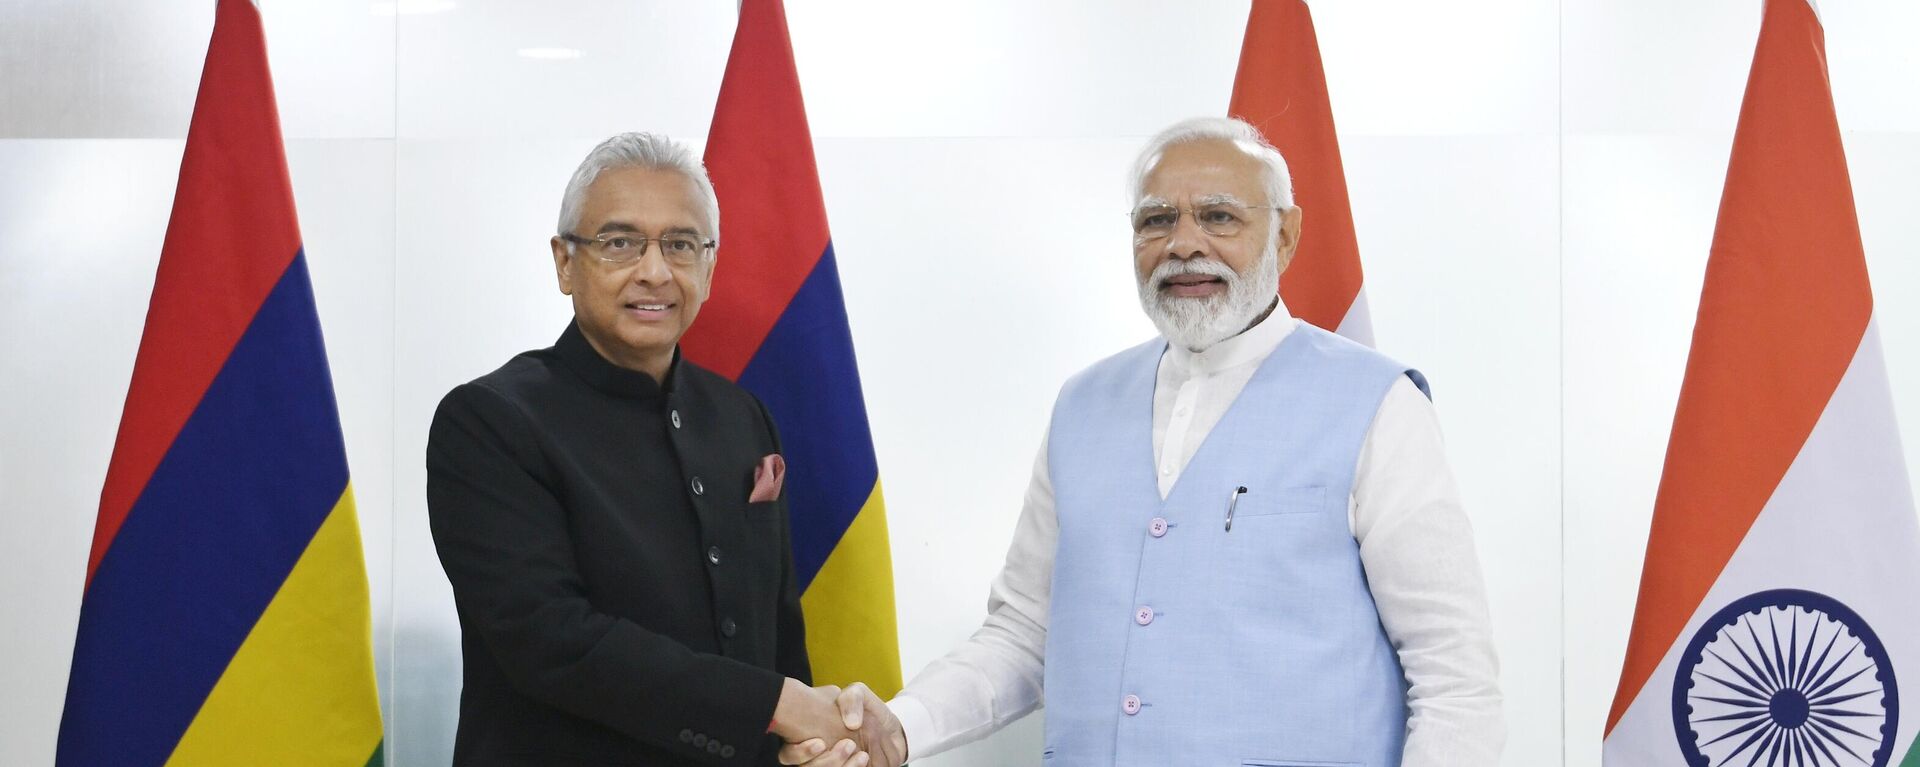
[
  {"x": 1417, "y": 547},
  {"x": 994, "y": 677}
]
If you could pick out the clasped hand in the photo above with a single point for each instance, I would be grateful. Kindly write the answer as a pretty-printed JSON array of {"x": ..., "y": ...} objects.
[{"x": 830, "y": 727}]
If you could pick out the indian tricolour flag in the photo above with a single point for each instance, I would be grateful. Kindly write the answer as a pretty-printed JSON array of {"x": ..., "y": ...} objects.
[
  {"x": 1778, "y": 621},
  {"x": 1281, "y": 89}
]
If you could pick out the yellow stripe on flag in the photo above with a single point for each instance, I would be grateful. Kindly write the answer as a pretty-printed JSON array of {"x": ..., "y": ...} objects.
[
  {"x": 851, "y": 634},
  {"x": 301, "y": 689}
]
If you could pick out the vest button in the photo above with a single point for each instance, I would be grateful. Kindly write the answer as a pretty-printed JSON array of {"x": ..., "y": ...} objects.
[
  {"x": 1131, "y": 705},
  {"x": 1158, "y": 527},
  {"x": 1143, "y": 616}
]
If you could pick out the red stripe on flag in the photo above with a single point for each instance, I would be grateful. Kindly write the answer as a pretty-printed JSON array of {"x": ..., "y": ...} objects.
[
  {"x": 1281, "y": 89},
  {"x": 773, "y": 222},
  {"x": 1782, "y": 312},
  {"x": 233, "y": 227}
]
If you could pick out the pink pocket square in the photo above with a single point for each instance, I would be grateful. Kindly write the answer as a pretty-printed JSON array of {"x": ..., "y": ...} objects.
[{"x": 768, "y": 477}]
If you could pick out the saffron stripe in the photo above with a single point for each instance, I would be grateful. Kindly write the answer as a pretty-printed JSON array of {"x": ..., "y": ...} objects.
[
  {"x": 229, "y": 510},
  {"x": 806, "y": 374},
  {"x": 1281, "y": 89}
]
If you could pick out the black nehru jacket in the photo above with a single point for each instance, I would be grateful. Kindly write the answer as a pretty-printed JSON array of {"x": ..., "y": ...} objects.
[{"x": 621, "y": 603}]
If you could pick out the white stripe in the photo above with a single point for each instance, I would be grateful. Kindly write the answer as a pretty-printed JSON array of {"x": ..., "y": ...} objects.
[{"x": 1358, "y": 324}]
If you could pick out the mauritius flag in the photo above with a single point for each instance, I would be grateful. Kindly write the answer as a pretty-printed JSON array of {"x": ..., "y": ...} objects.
[
  {"x": 225, "y": 619},
  {"x": 776, "y": 324},
  {"x": 1777, "y": 622}
]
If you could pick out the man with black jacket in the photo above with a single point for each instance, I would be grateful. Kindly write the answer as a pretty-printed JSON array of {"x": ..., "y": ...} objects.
[{"x": 610, "y": 515}]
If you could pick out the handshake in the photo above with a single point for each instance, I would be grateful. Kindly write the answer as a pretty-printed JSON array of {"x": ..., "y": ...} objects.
[{"x": 830, "y": 727}]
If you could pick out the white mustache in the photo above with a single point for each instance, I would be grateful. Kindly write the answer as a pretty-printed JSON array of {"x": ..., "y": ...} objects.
[{"x": 1204, "y": 267}]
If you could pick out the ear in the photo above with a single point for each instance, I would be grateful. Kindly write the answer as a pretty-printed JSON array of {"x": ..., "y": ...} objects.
[
  {"x": 563, "y": 264},
  {"x": 706, "y": 282},
  {"x": 1289, "y": 235}
]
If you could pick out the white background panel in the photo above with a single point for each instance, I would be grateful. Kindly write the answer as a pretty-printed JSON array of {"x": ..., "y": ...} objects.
[
  {"x": 70, "y": 314},
  {"x": 117, "y": 69}
]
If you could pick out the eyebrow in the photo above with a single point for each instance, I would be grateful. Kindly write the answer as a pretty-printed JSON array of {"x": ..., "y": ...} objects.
[
  {"x": 1216, "y": 199},
  {"x": 1207, "y": 199},
  {"x": 622, "y": 226}
]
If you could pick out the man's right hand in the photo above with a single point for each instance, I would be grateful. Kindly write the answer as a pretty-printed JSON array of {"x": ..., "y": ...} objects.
[{"x": 880, "y": 741}]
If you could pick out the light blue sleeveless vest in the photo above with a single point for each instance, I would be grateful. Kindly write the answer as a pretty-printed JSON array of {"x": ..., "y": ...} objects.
[{"x": 1173, "y": 640}]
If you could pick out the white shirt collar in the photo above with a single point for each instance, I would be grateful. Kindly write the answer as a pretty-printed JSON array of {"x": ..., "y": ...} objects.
[{"x": 1252, "y": 345}]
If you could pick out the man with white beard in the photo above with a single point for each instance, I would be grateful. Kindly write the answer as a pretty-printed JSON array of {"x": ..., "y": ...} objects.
[{"x": 1241, "y": 544}]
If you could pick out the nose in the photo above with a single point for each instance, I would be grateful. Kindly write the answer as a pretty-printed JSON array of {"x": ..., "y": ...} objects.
[
  {"x": 652, "y": 269},
  {"x": 1187, "y": 240}
]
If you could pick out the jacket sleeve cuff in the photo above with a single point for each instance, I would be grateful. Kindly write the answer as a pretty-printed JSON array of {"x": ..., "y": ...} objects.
[{"x": 738, "y": 736}]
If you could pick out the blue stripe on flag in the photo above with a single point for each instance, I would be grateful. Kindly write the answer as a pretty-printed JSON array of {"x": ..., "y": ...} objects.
[
  {"x": 228, "y": 512},
  {"x": 805, "y": 373}
]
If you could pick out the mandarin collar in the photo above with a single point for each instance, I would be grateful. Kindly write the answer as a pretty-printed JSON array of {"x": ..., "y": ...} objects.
[
  {"x": 1255, "y": 343},
  {"x": 580, "y": 357}
]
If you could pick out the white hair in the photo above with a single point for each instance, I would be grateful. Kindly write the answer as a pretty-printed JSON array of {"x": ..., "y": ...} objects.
[
  {"x": 637, "y": 150},
  {"x": 1277, "y": 182}
]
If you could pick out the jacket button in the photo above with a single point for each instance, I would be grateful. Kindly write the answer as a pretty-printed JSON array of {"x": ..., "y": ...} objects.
[
  {"x": 698, "y": 488},
  {"x": 728, "y": 628},
  {"x": 700, "y": 740},
  {"x": 1130, "y": 704},
  {"x": 713, "y": 555},
  {"x": 726, "y": 752},
  {"x": 674, "y": 416},
  {"x": 1158, "y": 527},
  {"x": 686, "y": 736},
  {"x": 713, "y": 747}
]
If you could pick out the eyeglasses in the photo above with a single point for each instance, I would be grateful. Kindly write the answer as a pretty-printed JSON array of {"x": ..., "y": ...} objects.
[
  {"x": 622, "y": 248},
  {"x": 1220, "y": 219}
]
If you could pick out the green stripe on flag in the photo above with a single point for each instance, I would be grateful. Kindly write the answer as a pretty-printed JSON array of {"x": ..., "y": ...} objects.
[{"x": 379, "y": 759}]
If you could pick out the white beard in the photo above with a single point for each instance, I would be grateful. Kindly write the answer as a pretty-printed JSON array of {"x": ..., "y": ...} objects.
[{"x": 1199, "y": 323}]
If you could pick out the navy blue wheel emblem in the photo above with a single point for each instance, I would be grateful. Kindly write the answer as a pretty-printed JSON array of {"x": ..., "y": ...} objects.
[{"x": 1789, "y": 678}]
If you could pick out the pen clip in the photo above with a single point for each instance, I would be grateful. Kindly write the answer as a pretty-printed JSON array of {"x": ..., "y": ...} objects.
[{"x": 1232, "y": 501}]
